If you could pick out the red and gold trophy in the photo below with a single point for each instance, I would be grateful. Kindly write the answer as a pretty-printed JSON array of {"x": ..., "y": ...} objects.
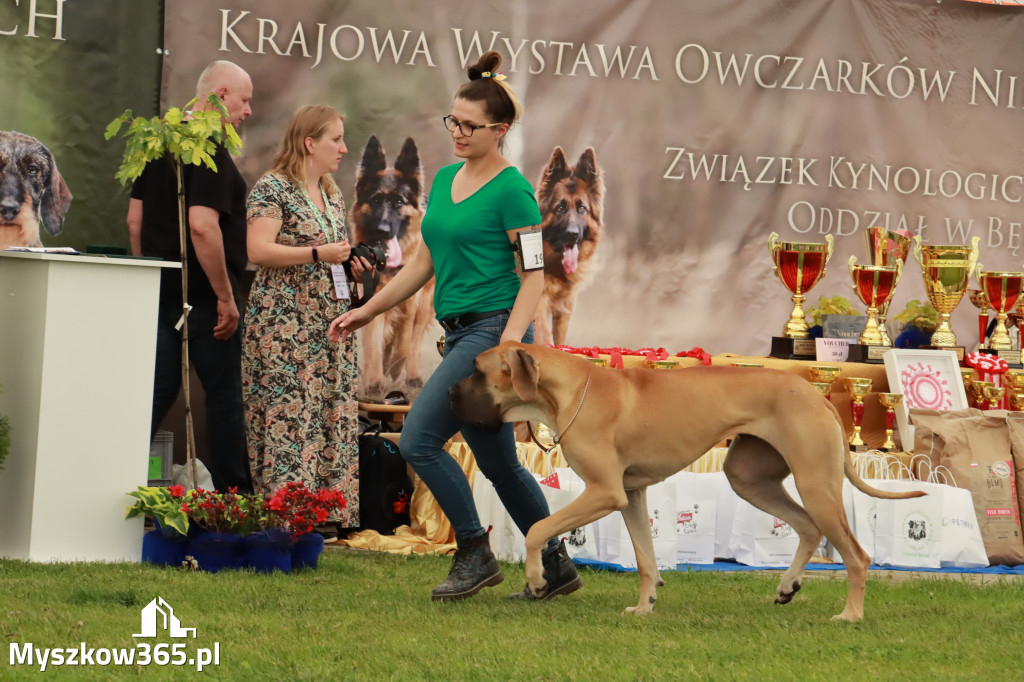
[
  {"x": 886, "y": 247},
  {"x": 799, "y": 265},
  {"x": 946, "y": 270},
  {"x": 875, "y": 285},
  {"x": 1002, "y": 289},
  {"x": 889, "y": 401},
  {"x": 858, "y": 388},
  {"x": 979, "y": 300}
]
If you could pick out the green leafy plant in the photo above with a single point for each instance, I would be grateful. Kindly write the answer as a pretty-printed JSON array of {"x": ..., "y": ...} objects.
[
  {"x": 918, "y": 314},
  {"x": 831, "y": 305},
  {"x": 185, "y": 136},
  {"x": 165, "y": 505}
]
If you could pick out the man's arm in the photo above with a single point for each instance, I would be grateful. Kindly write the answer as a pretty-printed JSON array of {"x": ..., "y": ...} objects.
[
  {"x": 134, "y": 221},
  {"x": 208, "y": 241}
]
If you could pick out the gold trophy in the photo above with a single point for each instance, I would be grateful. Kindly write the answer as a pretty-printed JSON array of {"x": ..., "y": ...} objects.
[
  {"x": 1014, "y": 381},
  {"x": 946, "y": 270},
  {"x": 822, "y": 377},
  {"x": 993, "y": 396},
  {"x": 747, "y": 364},
  {"x": 889, "y": 401},
  {"x": 662, "y": 364},
  {"x": 977, "y": 396},
  {"x": 979, "y": 300},
  {"x": 874, "y": 285},
  {"x": 1002, "y": 289},
  {"x": 886, "y": 247},
  {"x": 858, "y": 388},
  {"x": 799, "y": 265}
]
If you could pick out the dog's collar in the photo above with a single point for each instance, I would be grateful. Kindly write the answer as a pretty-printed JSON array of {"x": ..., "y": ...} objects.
[{"x": 558, "y": 438}]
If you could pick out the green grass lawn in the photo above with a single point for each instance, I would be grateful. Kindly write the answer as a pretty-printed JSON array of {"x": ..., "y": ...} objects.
[{"x": 368, "y": 616}]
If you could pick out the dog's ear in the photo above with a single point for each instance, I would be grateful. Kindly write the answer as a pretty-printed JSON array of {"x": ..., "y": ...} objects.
[
  {"x": 589, "y": 172},
  {"x": 55, "y": 201},
  {"x": 556, "y": 170},
  {"x": 525, "y": 373},
  {"x": 408, "y": 164},
  {"x": 373, "y": 162}
]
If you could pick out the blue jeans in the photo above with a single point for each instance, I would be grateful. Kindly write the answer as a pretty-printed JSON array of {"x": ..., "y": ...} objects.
[
  {"x": 219, "y": 367},
  {"x": 430, "y": 423}
]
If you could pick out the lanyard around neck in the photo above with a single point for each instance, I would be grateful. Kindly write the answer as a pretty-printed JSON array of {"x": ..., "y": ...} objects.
[{"x": 319, "y": 215}]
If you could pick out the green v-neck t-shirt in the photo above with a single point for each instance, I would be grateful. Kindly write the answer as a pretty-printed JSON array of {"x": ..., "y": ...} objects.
[{"x": 474, "y": 262}]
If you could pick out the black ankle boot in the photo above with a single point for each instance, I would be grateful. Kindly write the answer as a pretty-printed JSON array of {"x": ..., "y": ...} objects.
[
  {"x": 474, "y": 568},
  {"x": 560, "y": 574}
]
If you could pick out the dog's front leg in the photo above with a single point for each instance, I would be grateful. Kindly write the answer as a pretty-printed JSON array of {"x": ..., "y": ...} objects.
[
  {"x": 638, "y": 523},
  {"x": 593, "y": 503}
]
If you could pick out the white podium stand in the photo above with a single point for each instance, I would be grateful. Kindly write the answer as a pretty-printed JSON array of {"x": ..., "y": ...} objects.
[{"x": 77, "y": 348}]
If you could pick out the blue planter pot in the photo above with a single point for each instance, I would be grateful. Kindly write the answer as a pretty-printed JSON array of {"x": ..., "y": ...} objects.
[
  {"x": 307, "y": 550},
  {"x": 269, "y": 550},
  {"x": 164, "y": 550},
  {"x": 216, "y": 551}
]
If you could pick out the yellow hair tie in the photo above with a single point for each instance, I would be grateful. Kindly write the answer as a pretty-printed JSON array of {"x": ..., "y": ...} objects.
[{"x": 498, "y": 76}]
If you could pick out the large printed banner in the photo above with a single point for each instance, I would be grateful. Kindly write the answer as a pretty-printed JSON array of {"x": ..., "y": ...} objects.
[{"x": 666, "y": 138}]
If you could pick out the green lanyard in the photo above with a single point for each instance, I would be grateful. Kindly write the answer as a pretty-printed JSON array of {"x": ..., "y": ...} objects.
[{"x": 320, "y": 216}]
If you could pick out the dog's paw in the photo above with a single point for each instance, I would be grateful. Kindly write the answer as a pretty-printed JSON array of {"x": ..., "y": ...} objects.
[{"x": 786, "y": 597}]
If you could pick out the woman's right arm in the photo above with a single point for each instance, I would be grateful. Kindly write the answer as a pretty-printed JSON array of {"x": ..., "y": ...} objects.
[{"x": 407, "y": 282}]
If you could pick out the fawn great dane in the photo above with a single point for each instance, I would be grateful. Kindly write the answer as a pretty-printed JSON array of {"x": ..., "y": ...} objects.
[{"x": 623, "y": 430}]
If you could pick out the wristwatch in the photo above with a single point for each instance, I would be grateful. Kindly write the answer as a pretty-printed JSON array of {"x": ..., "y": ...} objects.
[{"x": 316, "y": 258}]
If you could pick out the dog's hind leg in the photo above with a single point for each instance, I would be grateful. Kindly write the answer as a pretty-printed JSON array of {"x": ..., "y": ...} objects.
[
  {"x": 638, "y": 523},
  {"x": 755, "y": 470}
]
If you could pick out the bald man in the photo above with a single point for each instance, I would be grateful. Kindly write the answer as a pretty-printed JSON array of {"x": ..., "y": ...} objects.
[{"x": 216, "y": 262}]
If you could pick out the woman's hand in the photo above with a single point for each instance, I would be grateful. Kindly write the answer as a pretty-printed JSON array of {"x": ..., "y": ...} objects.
[
  {"x": 334, "y": 253},
  {"x": 348, "y": 322}
]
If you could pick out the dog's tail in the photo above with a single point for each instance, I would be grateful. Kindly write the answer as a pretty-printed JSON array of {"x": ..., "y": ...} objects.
[{"x": 855, "y": 479}]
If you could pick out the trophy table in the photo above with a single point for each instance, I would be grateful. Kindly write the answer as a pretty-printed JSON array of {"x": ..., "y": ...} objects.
[{"x": 799, "y": 265}]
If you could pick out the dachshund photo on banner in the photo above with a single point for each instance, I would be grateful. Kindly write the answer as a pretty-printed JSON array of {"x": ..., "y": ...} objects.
[{"x": 32, "y": 191}]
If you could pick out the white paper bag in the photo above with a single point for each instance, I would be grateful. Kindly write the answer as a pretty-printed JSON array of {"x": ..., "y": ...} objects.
[
  {"x": 962, "y": 545},
  {"x": 613, "y": 541},
  {"x": 696, "y": 512},
  {"x": 761, "y": 539},
  {"x": 726, "y": 512},
  {"x": 908, "y": 532}
]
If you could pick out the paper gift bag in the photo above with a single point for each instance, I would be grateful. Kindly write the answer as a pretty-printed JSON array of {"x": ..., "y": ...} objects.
[
  {"x": 962, "y": 544},
  {"x": 696, "y": 511},
  {"x": 908, "y": 532},
  {"x": 761, "y": 539},
  {"x": 581, "y": 543},
  {"x": 724, "y": 516},
  {"x": 613, "y": 541}
]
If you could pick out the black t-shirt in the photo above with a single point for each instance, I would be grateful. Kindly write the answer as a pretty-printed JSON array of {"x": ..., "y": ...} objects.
[{"x": 223, "y": 191}]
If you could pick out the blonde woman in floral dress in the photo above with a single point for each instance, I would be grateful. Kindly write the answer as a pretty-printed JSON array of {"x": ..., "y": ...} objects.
[{"x": 298, "y": 388}]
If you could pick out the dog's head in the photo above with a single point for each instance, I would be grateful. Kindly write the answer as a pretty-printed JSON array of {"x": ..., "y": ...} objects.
[
  {"x": 31, "y": 189},
  {"x": 504, "y": 379},
  {"x": 388, "y": 198},
  {"x": 571, "y": 203}
]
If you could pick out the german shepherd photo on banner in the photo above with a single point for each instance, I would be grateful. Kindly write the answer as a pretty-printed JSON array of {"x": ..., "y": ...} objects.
[
  {"x": 387, "y": 211},
  {"x": 571, "y": 206}
]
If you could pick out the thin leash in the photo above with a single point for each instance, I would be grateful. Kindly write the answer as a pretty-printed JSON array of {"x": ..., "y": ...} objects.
[{"x": 557, "y": 439}]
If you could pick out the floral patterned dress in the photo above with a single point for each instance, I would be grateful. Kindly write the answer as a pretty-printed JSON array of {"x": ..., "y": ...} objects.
[{"x": 299, "y": 388}]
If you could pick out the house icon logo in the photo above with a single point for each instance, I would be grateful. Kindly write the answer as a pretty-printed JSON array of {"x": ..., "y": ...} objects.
[{"x": 159, "y": 612}]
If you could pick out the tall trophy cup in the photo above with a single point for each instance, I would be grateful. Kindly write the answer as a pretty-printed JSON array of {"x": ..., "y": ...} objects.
[
  {"x": 885, "y": 247},
  {"x": 1002, "y": 290},
  {"x": 946, "y": 270},
  {"x": 874, "y": 285},
  {"x": 858, "y": 388},
  {"x": 889, "y": 401},
  {"x": 979, "y": 300},
  {"x": 799, "y": 265}
]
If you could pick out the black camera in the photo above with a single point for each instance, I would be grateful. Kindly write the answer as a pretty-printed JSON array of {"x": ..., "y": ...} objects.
[{"x": 376, "y": 256}]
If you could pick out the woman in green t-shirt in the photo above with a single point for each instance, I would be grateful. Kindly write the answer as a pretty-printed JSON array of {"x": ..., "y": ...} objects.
[{"x": 482, "y": 297}]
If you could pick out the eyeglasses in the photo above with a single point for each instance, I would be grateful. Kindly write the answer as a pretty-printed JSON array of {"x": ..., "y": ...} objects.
[{"x": 467, "y": 129}]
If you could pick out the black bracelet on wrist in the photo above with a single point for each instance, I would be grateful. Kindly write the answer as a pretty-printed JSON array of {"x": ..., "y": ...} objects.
[{"x": 316, "y": 258}]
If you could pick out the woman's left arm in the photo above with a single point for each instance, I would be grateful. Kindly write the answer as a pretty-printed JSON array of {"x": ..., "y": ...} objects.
[{"x": 530, "y": 290}]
